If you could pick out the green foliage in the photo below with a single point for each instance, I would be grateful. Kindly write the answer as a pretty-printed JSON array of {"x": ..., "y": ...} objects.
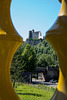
[
  {"x": 29, "y": 59},
  {"x": 23, "y": 60},
  {"x": 32, "y": 92},
  {"x": 46, "y": 54},
  {"x": 42, "y": 62},
  {"x": 16, "y": 64}
]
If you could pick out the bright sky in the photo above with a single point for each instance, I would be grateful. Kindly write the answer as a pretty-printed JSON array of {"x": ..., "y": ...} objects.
[{"x": 34, "y": 14}]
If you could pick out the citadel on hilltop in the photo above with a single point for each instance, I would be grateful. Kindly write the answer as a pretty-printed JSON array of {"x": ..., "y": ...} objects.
[
  {"x": 37, "y": 34},
  {"x": 34, "y": 37}
]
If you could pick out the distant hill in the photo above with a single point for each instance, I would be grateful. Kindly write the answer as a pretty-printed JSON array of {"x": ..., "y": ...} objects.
[
  {"x": 44, "y": 51},
  {"x": 33, "y": 41}
]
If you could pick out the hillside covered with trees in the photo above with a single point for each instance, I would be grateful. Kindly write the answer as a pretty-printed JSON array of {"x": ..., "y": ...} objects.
[
  {"x": 45, "y": 54},
  {"x": 28, "y": 57}
]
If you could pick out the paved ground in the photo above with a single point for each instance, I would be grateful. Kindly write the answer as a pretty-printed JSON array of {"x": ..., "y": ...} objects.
[{"x": 35, "y": 81}]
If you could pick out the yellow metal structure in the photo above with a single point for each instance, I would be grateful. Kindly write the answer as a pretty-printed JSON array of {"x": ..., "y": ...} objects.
[
  {"x": 57, "y": 36},
  {"x": 10, "y": 40}
]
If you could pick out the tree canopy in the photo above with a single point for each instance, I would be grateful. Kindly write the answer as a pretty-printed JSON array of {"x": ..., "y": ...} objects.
[
  {"x": 29, "y": 59},
  {"x": 45, "y": 52}
]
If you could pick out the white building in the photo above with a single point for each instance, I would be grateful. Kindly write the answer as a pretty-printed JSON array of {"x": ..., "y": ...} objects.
[{"x": 36, "y": 34}]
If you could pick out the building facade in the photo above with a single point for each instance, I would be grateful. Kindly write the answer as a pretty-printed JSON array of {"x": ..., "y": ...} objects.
[{"x": 37, "y": 34}]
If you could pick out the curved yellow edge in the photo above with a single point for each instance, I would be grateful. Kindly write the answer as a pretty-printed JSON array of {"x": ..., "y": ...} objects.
[
  {"x": 10, "y": 40},
  {"x": 57, "y": 36}
]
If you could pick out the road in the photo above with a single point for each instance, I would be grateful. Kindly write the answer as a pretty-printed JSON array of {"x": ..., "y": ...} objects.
[{"x": 35, "y": 82}]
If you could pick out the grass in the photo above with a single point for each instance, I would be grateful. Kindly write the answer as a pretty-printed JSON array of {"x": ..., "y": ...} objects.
[{"x": 31, "y": 92}]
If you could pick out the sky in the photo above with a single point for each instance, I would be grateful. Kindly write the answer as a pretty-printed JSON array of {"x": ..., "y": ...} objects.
[{"x": 34, "y": 14}]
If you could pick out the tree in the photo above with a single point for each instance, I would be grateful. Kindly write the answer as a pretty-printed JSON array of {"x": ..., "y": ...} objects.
[
  {"x": 50, "y": 60},
  {"x": 16, "y": 64},
  {"x": 42, "y": 61},
  {"x": 29, "y": 59},
  {"x": 23, "y": 60},
  {"x": 44, "y": 48}
]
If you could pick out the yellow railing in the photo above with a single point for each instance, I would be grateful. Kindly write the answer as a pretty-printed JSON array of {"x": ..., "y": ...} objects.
[
  {"x": 10, "y": 40},
  {"x": 57, "y": 36}
]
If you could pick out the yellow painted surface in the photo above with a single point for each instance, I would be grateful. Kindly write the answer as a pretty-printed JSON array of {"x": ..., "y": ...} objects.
[
  {"x": 57, "y": 36},
  {"x": 10, "y": 40}
]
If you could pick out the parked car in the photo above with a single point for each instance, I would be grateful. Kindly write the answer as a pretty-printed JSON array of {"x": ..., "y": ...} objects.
[{"x": 53, "y": 81}]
